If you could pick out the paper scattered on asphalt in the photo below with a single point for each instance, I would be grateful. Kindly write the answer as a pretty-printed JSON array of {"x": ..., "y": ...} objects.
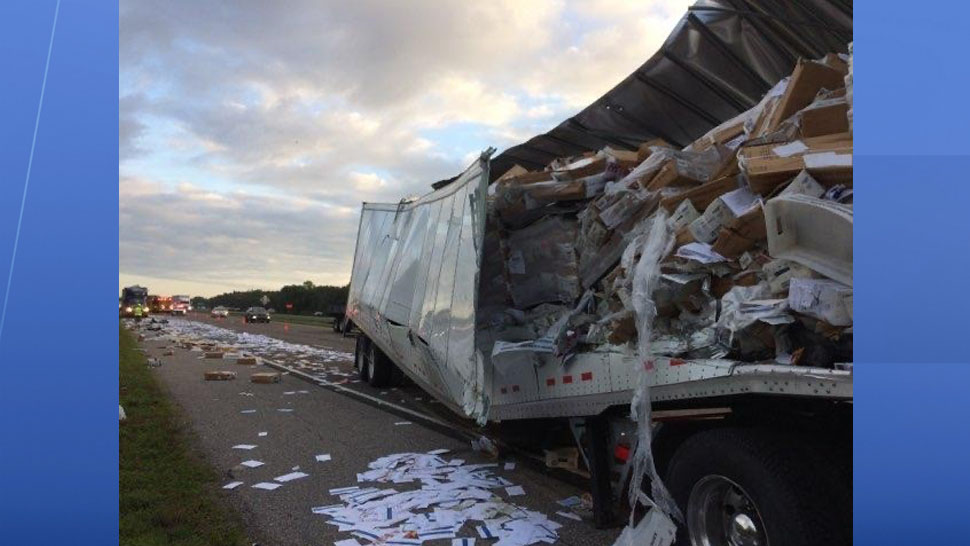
[
  {"x": 450, "y": 496},
  {"x": 514, "y": 491},
  {"x": 251, "y": 463},
  {"x": 322, "y": 458},
  {"x": 248, "y": 411},
  {"x": 232, "y": 485},
  {"x": 569, "y": 515},
  {"x": 305, "y": 392},
  {"x": 285, "y": 410},
  {"x": 347, "y": 542},
  {"x": 509, "y": 466},
  {"x": 439, "y": 452},
  {"x": 291, "y": 476},
  {"x": 261, "y": 434},
  {"x": 289, "y": 392},
  {"x": 569, "y": 502},
  {"x": 269, "y": 486},
  {"x": 244, "y": 446},
  {"x": 403, "y": 423}
]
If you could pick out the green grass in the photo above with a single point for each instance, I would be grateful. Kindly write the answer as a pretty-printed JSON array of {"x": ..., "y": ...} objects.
[{"x": 167, "y": 491}]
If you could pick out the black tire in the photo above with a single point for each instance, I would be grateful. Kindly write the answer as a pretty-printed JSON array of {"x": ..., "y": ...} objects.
[
  {"x": 776, "y": 471},
  {"x": 381, "y": 368},
  {"x": 361, "y": 357}
]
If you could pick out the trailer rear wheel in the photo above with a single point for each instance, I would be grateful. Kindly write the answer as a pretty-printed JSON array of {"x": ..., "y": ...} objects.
[
  {"x": 740, "y": 487},
  {"x": 361, "y": 355},
  {"x": 381, "y": 369}
]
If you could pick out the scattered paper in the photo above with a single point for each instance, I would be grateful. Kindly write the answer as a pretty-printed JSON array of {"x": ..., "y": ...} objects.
[
  {"x": 789, "y": 149},
  {"x": 347, "y": 542},
  {"x": 269, "y": 486},
  {"x": 569, "y": 515},
  {"x": 323, "y": 458},
  {"x": 248, "y": 411},
  {"x": 700, "y": 252},
  {"x": 244, "y": 446},
  {"x": 261, "y": 434},
  {"x": 515, "y": 490},
  {"x": 252, "y": 463},
  {"x": 291, "y": 476},
  {"x": 450, "y": 495},
  {"x": 232, "y": 485},
  {"x": 569, "y": 502},
  {"x": 403, "y": 423},
  {"x": 289, "y": 392},
  {"x": 509, "y": 466},
  {"x": 285, "y": 410},
  {"x": 439, "y": 452}
]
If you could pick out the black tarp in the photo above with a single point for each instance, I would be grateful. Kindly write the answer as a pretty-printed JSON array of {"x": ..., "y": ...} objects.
[{"x": 720, "y": 59}]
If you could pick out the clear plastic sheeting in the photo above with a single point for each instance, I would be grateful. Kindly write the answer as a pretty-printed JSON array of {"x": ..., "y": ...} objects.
[
  {"x": 415, "y": 283},
  {"x": 657, "y": 244}
]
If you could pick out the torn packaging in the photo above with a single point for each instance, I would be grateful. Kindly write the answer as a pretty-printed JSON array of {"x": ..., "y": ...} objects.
[{"x": 542, "y": 263}]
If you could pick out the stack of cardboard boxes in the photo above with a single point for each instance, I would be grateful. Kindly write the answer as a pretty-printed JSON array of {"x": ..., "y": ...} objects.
[{"x": 759, "y": 210}]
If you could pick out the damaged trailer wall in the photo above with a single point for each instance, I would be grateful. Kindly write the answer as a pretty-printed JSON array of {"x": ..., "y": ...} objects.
[{"x": 414, "y": 287}]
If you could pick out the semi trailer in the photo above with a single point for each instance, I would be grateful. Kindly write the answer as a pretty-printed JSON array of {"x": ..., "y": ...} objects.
[{"x": 752, "y": 450}]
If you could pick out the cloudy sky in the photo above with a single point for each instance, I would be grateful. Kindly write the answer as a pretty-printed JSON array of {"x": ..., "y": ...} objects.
[{"x": 251, "y": 131}]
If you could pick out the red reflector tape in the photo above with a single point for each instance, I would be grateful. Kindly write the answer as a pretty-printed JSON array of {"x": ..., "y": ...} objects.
[
  {"x": 551, "y": 382},
  {"x": 567, "y": 379},
  {"x": 677, "y": 362},
  {"x": 587, "y": 376}
]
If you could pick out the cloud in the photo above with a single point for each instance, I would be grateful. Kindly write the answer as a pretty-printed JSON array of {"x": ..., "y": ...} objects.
[{"x": 247, "y": 124}]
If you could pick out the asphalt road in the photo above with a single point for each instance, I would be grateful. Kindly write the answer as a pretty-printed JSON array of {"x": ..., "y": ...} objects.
[{"x": 321, "y": 421}]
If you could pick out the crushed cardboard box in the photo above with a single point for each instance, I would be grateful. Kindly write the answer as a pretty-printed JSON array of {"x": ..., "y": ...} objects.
[{"x": 219, "y": 375}]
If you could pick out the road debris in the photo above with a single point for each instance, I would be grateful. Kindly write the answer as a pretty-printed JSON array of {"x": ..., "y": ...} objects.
[
  {"x": 217, "y": 375},
  {"x": 451, "y": 495},
  {"x": 291, "y": 476},
  {"x": 264, "y": 377},
  {"x": 232, "y": 485},
  {"x": 269, "y": 486},
  {"x": 252, "y": 463}
]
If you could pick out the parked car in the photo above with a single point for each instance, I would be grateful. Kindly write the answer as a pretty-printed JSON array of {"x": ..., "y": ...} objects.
[
  {"x": 219, "y": 312},
  {"x": 318, "y": 313},
  {"x": 256, "y": 314}
]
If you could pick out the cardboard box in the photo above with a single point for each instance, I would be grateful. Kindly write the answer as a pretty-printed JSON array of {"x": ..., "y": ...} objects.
[
  {"x": 219, "y": 375},
  {"x": 542, "y": 265},
  {"x": 702, "y": 196},
  {"x": 741, "y": 234},
  {"x": 825, "y": 118},
  {"x": 807, "y": 79},
  {"x": 827, "y": 158},
  {"x": 247, "y": 361},
  {"x": 213, "y": 354},
  {"x": 822, "y": 299},
  {"x": 264, "y": 377},
  {"x": 643, "y": 152},
  {"x": 516, "y": 170}
]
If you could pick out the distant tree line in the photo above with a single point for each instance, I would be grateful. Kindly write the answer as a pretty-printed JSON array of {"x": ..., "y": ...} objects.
[{"x": 306, "y": 298}]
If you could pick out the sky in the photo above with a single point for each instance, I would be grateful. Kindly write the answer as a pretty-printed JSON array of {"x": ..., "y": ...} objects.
[{"x": 251, "y": 131}]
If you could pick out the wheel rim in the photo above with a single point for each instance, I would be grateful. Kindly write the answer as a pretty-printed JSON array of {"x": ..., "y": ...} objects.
[{"x": 721, "y": 513}]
